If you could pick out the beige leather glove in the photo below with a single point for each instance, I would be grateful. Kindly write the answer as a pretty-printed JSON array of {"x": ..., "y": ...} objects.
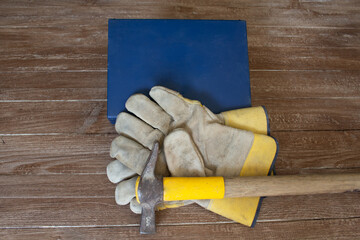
[{"x": 203, "y": 145}]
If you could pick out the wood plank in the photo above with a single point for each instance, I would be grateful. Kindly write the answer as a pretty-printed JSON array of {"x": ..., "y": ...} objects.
[
  {"x": 91, "y": 41},
  {"x": 315, "y": 229},
  {"x": 298, "y": 36},
  {"x": 52, "y": 212},
  {"x": 44, "y": 41},
  {"x": 53, "y": 85},
  {"x": 303, "y": 84},
  {"x": 56, "y": 186},
  {"x": 54, "y": 80},
  {"x": 281, "y": 12},
  {"x": 55, "y": 154},
  {"x": 55, "y": 63},
  {"x": 90, "y": 116},
  {"x": 50, "y": 94},
  {"x": 55, "y": 117},
  {"x": 271, "y": 58},
  {"x": 299, "y": 153},
  {"x": 264, "y": 85},
  {"x": 274, "y": 58},
  {"x": 312, "y": 114}
]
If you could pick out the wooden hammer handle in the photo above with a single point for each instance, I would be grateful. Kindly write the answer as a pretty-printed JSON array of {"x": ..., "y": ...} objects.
[{"x": 291, "y": 185}]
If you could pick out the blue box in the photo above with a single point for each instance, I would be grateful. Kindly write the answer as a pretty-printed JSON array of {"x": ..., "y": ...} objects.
[{"x": 206, "y": 60}]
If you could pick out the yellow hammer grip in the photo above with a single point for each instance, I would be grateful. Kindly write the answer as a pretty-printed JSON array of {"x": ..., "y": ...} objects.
[{"x": 191, "y": 188}]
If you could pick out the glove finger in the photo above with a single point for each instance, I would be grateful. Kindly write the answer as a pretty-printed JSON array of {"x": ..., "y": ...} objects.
[
  {"x": 134, "y": 155},
  {"x": 116, "y": 171},
  {"x": 149, "y": 112},
  {"x": 182, "y": 156},
  {"x": 130, "y": 153},
  {"x": 135, "y": 207},
  {"x": 172, "y": 102},
  {"x": 125, "y": 191},
  {"x": 128, "y": 125}
]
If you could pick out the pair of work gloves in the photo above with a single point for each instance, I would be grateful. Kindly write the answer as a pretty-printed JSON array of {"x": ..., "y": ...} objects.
[{"x": 194, "y": 142}]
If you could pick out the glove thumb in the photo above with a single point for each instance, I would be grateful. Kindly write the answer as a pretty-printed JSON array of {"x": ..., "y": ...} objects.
[{"x": 182, "y": 156}]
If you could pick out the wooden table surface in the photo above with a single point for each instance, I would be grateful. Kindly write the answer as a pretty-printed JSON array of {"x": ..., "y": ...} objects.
[{"x": 55, "y": 137}]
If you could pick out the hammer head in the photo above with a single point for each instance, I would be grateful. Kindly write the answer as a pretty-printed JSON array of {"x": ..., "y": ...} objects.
[{"x": 150, "y": 192}]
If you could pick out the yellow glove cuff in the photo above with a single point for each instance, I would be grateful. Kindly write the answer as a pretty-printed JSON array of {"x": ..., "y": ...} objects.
[
  {"x": 259, "y": 162},
  {"x": 254, "y": 119}
]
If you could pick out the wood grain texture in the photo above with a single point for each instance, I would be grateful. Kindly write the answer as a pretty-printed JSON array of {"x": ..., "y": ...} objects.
[
  {"x": 55, "y": 137},
  {"x": 53, "y": 86},
  {"x": 299, "y": 152},
  {"x": 290, "y": 185},
  {"x": 72, "y": 154},
  {"x": 280, "y": 12},
  {"x": 264, "y": 85},
  {"x": 36, "y": 48},
  {"x": 304, "y": 84},
  {"x": 91, "y": 40},
  {"x": 90, "y": 116},
  {"x": 56, "y": 186},
  {"x": 55, "y": 117},
  {"x": 271, "y": 230},
  {"x": 271, "y": 58},
  {"x": 312, "y": 114},
  {"x": 100, "y": 211}
]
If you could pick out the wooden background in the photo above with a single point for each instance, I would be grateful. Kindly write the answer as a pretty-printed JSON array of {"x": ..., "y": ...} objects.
[{"x": 54, "y": 135}]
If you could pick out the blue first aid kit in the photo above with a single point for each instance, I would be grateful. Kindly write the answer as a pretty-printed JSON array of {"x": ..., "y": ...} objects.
[{"x": 206, "y": 60}]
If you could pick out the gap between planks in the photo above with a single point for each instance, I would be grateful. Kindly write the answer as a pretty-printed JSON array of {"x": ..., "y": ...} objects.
[
  {"x": 105, "y": 70},
  {"x": 105, "y": 100},
  {"x": 115, "y": 134},
  {"x": 178, "y": 224},
  {"x": 335, "y": 229},
  {"x": 248, "y": 26}
]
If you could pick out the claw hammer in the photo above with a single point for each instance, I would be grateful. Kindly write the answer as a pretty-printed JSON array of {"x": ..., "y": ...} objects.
[{"x": 151, "y": 190}]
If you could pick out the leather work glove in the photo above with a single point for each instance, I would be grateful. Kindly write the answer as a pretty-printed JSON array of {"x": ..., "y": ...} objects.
[{"x": 197, "y": 143}]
